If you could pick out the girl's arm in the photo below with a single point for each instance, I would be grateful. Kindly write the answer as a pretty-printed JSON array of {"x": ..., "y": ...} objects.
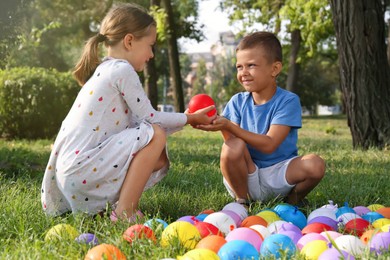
[{"x": 131, "y": 89}]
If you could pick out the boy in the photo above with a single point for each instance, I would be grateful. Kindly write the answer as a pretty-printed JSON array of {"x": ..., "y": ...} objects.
[{"x": 259, "y": 157}]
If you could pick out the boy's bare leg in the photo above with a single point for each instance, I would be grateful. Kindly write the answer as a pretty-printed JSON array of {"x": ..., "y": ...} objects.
[
  {"x": 141, "y": 167},
  {"x": 305, "y": 172},
  {"x": 236, "y": 164}
]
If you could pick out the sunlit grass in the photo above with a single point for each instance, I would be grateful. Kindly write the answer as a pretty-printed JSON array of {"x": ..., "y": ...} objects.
[{"x": 193, "y": 184}]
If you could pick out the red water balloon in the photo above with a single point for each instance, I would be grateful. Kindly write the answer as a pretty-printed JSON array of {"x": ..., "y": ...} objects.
[
  {"x": 357, "y": 226},
  {"x": 138, "y": 231},
  {"x": 316, "y": 228},
  {"x": 205, "y": 229},
  {"x": 201, "y": 101}
]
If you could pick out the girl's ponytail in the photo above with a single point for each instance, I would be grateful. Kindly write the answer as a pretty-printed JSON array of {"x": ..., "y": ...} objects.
[
  {"x": 119, "y": 21},
  {"x": 89, "y": 59}
]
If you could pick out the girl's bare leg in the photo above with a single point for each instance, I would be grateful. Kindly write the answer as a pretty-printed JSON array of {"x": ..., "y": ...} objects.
[{"x": 143, "y": 164}]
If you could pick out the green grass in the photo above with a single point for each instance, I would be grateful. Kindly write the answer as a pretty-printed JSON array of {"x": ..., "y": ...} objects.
[{"x": 193, "y": 184}]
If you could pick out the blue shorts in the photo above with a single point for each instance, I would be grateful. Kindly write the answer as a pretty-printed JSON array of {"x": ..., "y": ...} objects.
[{"x": 267, "y": 183}]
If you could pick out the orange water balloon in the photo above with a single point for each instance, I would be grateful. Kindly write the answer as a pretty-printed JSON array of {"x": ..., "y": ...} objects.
[
  {"x": 212, "y": 242},
  {"x": 105, "y": 251}
]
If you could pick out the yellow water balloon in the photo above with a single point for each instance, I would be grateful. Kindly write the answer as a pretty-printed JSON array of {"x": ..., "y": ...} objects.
[
  {"x": 199, "y": 254},
  {"x": 375, "y": 207},
  {"x": 61, "y": 232},
  {"x": 269, "y": 216},
  {"x": 313, "y": 249},
  {"x": 379, "y": 223},
  {"x": 180, "y": 233},
  {"x": 385, "y": 228}
]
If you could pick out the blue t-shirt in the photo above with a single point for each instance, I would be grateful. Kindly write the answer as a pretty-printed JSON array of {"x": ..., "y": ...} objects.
[{"x": 283, "y": 108}]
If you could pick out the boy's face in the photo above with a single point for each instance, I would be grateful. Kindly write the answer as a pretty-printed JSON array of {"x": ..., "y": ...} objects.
[{"x": 254, "y": 72}]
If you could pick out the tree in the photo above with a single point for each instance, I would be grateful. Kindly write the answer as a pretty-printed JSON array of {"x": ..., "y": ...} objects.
[
  {"x": 11, "y": 15},
  {"x": 364, "y": 70},
  {"x": 151, "y": 78},
  {"x": 63, "y": 26},
  {"x": 171, "y": 15},
  {"x": 224, "y": 82},
  {"x": 307, "y": 21},
  {"x": 293, "y": 65},
  {"x": 51, "y": 33},
  {"x": 388, "y": 40},
  {"x": 150, "y": 71},
  {"x": 173, "y": 57},
  {"x": 199, "y": 85},
  {"x": 319, "y": 81}
]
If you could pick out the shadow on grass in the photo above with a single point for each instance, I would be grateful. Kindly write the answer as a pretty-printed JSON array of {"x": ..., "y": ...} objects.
[
  {"x": 327, "y": 117},
  {"x": 354, "y": 181},
  {"x": 22, "y": 162}
]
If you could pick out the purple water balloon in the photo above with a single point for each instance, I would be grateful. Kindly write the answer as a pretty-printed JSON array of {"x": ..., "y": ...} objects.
[
  {"x": 325, "y": 220},
  {"x": 380, "y": 242},
  {"x": 290, "y": 227},
  {"x": 87, "y": 238},
  {"x": 333, "y": 253},
  {"x": 233, "y": 215},
  {"x": 361, "y": 210},
  {"x": 189, "y": 219}
]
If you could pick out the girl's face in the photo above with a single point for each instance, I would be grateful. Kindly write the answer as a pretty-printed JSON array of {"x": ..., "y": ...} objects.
[
  {"x": 141, "y": 49},
  {"x": 254, "y": 71}
]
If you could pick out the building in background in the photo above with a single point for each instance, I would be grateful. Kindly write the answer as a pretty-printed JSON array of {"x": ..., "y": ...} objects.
[{"x": 224, "y": 47}]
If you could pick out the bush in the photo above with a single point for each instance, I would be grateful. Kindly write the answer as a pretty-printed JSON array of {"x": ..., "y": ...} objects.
[{"x": 34, "y": 101}]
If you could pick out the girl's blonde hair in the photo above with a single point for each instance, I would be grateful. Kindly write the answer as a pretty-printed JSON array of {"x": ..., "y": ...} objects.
[{"x": 119, "y": 21}]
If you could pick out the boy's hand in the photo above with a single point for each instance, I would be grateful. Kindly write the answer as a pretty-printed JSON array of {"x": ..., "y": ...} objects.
[
  {"x": 220, "y": 123},
  {"x": 200, "y": 117}
]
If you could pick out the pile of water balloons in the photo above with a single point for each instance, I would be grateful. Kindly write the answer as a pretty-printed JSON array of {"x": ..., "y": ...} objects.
[{"x": 281, "y": 232}]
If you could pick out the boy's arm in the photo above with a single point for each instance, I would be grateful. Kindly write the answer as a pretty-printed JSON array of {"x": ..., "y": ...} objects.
[
  {"x": 226, "y": 135},
  {"x": 267, "y": 143}
]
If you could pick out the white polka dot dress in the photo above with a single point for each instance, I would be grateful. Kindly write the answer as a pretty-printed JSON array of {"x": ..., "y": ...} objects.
[{"x": 109, "y": 122}]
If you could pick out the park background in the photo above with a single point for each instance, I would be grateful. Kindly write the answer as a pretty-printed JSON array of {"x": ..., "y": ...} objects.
[{"x": 336, "y": 53}]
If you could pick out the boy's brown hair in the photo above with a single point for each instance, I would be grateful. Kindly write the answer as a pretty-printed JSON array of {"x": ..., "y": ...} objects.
[{"x": 266, "y": 40}]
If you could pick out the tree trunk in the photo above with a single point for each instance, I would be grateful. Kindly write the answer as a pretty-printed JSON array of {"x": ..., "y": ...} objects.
[
  {"x": 151, "y": 76},
  {"x": 364, "y": 70},
  {"x": 388, "y": 41},
  {"x": 293, "y": 67},
  {"x": 173, "y": 57},
  {"x": 151, "y": 82}
]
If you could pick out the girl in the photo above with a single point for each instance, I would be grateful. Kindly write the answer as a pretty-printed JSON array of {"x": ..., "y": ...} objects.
[{"x": 112, "y": 144}]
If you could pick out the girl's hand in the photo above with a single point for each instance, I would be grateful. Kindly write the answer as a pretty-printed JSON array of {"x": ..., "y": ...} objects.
[
  {"x": 200, "y": 117},
  {"x": 220, "y": 123}
]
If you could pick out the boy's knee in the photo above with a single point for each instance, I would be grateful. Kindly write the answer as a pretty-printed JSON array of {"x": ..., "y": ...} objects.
[
  {"x": 316, "y": 166},
  {"x": 232, "y": 149},
  {"x": 234, "y": 144}
]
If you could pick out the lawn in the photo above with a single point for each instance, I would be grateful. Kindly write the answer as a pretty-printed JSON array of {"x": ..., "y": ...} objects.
[{"x": 193, "y": 184}]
